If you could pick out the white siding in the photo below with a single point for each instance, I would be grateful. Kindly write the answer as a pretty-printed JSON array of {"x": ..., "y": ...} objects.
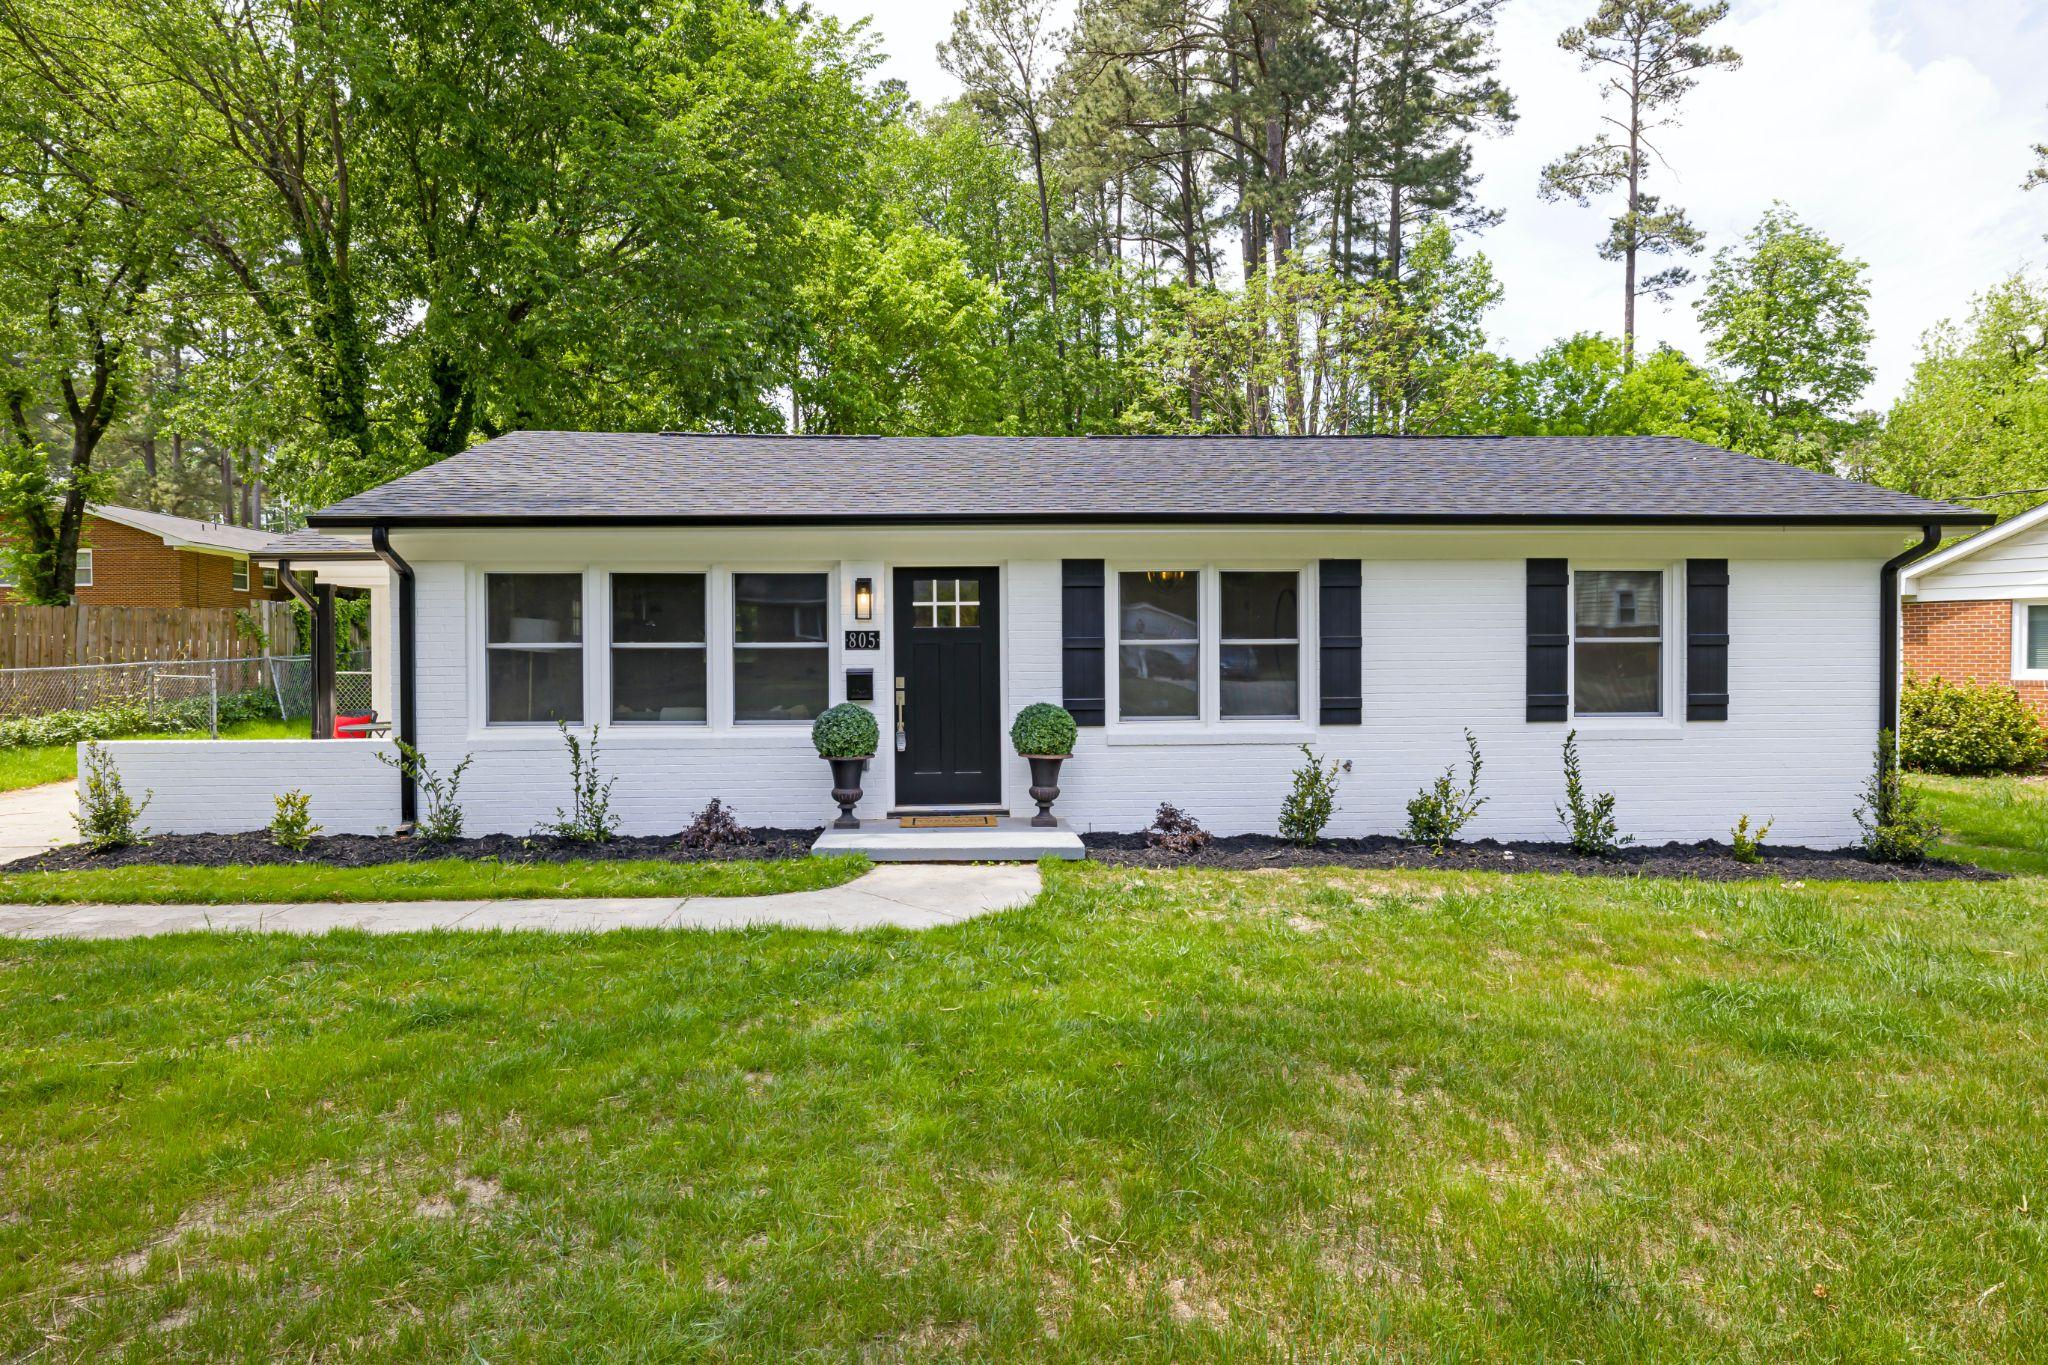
[
  {"x": 2015, "y": 567},
  {"x": 1444, "y": 649},
  {"x": 204, "y": 786}
]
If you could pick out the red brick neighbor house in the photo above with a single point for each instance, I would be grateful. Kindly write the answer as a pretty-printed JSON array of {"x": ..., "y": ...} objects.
[
  {"x": 1978, "y": 611},
  {"x": 131, "y": 558}
]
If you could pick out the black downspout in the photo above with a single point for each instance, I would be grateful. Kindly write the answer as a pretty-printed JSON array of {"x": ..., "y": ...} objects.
[
  {"x": 408, "y": 727},
  {"x": 1888, "y": 627},
  {"x": 319, "y": 605}
]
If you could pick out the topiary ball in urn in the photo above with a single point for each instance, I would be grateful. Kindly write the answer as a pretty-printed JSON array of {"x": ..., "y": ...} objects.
[
  {"x": 845, "y": 736},
  {"x": 1043, "y": 735}
]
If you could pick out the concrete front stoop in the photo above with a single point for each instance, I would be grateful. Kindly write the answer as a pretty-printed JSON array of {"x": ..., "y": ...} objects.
[{"x": 1010, "y": 840}]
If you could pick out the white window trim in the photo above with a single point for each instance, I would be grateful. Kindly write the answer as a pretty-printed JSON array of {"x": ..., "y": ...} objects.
[
  {"x": 834, "y": 683},
  {"x": 480, "y": 646},
  {"x": 238, "y": 569},
  {"x": 270, "y": 577},
  {"x": 2020, "y": 671},
  {"x": 1669, "y": 723},
  {"x": 1209, "y": 725},
  {"x": 605, "y": 669},
  {"x": 83, "y": 577}
]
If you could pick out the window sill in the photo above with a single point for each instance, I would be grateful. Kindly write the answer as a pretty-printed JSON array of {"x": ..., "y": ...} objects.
[
  {"x": 633, "y": 738},
  {"x": 1128, "y": 734},
  {"x": 1637, "y": 731}
]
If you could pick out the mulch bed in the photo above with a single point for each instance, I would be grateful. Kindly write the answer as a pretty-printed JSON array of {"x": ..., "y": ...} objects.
[
  {"x": 1707, "y": 861},
  {"x": 375, "y": 850}
]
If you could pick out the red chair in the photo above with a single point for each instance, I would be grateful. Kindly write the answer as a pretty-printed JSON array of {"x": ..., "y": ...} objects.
[{"x": 354, "y": 727}]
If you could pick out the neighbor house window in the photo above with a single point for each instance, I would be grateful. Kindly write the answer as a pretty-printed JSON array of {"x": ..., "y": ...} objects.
[
  {"x": 780, "y": 656},
  {"x": 2036, "y": 641},
  {"x": 1159, "y": 647},
  {"x": 270, "y": 577},
  {"x": 1617, "y": 642},
  {"x": 1260, "y": 658},
  {"x": 238, "y": 575},
  {"x": 658, "y": 647},
  {"x": 534, "y": 647},
  {"x": 84, "y": 575}
]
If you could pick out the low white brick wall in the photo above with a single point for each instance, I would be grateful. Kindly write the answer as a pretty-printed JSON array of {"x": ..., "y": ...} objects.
[{"x": 207, "y": 786}]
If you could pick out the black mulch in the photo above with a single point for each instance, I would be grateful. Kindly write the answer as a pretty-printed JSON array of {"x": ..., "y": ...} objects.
[
  {"x": 1707, "y": 861},
  {"x": 371, "y": 850}
]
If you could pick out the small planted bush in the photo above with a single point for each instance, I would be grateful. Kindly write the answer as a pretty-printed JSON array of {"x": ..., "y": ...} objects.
[
  {"x": 1310, "y": 803},
  {"x": 1895, "y": 830},
  {"x": 1968, "y": 729},
  {"x": 714, "y": 827},
  {"x": 589, "y": 819},
  {"x": 1440, "y": 810},
  {"x": 292, "y": 826},
  {"x": 1588, "y": 820},
  {"x": 1174, "y": 830},
  {"x": 108, "y": 818},
  {"x": 1747, "y": 844},
  {"x": 846, "y": 731},
  {"x": 441, "y": 822},
  {"x": 1043, "y": 730}
]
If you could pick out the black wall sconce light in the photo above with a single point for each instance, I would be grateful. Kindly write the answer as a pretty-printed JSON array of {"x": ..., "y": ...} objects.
[{"x": 863, "y": 599}]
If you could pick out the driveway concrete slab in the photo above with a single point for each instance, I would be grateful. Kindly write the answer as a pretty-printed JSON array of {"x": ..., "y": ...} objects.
[
  {"x": 899, "y": 896},
  {"x": 36, "y": 819}
]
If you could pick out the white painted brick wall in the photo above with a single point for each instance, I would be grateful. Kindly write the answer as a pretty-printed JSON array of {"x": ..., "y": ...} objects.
[
  {"x": 1444, "y": 650},
  {"x": 205, "y": 786}
]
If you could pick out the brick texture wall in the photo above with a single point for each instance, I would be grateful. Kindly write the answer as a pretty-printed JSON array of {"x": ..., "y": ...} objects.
[
  {"x": 132, "y": 568},
  {"x": 1967, "y": 641}
]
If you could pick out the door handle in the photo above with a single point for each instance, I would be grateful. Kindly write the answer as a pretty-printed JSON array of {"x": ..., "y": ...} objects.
[{"x": 902, "y": 735}]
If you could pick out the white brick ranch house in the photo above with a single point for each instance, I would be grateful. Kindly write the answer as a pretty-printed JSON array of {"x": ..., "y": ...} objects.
[{"x": 1719, "y": 630}]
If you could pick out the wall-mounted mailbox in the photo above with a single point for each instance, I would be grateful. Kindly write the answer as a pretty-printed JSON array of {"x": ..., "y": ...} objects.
[{"x": 860, "y": 684}]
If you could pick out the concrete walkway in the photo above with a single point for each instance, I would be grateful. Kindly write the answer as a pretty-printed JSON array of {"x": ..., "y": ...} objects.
[
  {"x": 36, "y": 819},
  {"x": 903, "y": 896}
]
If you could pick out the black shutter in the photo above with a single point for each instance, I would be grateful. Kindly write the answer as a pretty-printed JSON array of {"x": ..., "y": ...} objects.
[
  {"x": 1706, "y": 639},
  {"x": 1549, "y": 630},
  {"x": 1338, "y": 615},
  {"x": 1081, "y": 650}
]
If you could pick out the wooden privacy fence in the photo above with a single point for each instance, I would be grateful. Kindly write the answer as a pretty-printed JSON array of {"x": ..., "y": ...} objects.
[{"x": 50, "y": 637}]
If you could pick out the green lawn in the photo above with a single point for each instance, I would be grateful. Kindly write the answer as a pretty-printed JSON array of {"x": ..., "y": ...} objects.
[
  {"x": 1999, "y": 822},
  {"x": 444, "y": 879},
  {"x": 33, "y": 765},
  {"x": 1193, "y": 1116}
]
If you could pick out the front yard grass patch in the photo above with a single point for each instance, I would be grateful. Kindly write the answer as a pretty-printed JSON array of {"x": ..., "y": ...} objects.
[
  {"x": 444, "y": 879},
  {"x": 1191, "y": 1115},
  {"x": 1995, "y": 822}
]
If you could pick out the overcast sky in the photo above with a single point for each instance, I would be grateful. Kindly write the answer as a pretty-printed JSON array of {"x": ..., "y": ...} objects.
[{"x": 1899, "y": 127}]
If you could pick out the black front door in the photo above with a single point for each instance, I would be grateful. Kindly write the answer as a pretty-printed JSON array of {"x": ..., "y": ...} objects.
[{"x": 949, "y": 681}]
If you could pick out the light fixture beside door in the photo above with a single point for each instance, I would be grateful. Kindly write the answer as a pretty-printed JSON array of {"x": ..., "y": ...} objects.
[{"x": 863, "y": 599}]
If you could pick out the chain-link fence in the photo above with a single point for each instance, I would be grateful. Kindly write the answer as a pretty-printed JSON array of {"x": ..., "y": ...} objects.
[{"x": 260, "y": 681}]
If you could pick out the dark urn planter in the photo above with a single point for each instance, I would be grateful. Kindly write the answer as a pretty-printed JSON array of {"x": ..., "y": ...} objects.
[
  {"x": 846, "y": 789},
  {"x": 1045, "y": 786}
]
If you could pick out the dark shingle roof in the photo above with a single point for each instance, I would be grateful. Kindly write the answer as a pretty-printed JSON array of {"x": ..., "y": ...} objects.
[
  {"x": 567, "y": 477},
  {"x": 313, "y": 545}
]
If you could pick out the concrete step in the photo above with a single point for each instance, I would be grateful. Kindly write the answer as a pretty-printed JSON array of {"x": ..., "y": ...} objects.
[{"x": 1011, "y": 841}]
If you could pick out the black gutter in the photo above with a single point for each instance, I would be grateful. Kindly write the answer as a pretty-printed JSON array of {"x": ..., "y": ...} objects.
[
  {"x": 1961, "y": 517},
  {"x": 1888, "y": 626},
  {"x": 408, "y": 712}
]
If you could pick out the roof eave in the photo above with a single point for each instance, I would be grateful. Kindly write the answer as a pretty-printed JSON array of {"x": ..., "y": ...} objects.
[{"x": 1940, "y": 516}]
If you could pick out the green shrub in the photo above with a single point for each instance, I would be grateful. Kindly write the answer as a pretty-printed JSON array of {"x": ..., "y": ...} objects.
[
  {"x": 133, "y": 716},
  {"x": 1440, "y": 810},
  {"x": 1313, "y": 799},
  {"x": 1968, "y": 729},
  {"x": 846, "y": 731},
  {"x": 1747, "y": 844},
  {"x": 442, "y": 822},
  {"x": 1589, "y": 820},
  {"x": 1894, "y": 829},
  {"x": 1043, "y": 730},
  {"x": 107, "y": 816},
  {"x": 292, "y": 826},
  {"x": 589, "y": 819}
]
